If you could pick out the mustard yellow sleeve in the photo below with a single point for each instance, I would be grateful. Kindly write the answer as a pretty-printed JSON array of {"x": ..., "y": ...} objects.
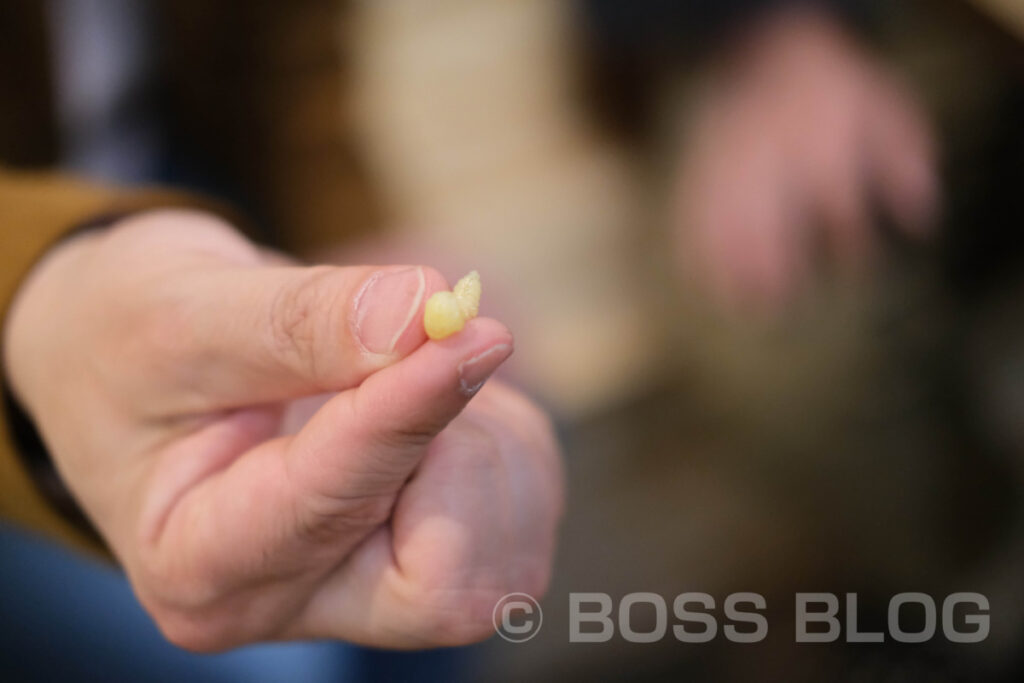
[{"x": 36, "y": 209}]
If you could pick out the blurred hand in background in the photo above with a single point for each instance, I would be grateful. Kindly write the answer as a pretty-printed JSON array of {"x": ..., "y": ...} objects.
[{"x": 796, "y": 136}]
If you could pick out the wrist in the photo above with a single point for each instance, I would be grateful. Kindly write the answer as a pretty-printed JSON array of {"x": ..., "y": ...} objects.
[
  {"x": 19, "y": 349},
  {"x": 33, "y": 321}
]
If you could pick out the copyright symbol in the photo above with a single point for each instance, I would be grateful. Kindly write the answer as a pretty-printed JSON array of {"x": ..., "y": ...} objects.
[{"x": 517, "y": 617}]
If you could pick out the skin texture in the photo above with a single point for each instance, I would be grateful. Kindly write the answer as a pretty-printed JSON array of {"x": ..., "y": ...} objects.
[
  {"x": 169, "y": 365},
  {"x": 796, "y": 135}
]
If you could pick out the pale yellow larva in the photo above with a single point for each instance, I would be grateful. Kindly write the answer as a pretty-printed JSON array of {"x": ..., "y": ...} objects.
[{"x": 447, "y": 312}]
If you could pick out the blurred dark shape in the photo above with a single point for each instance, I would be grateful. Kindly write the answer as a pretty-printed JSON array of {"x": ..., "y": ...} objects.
[{"x": 28, "y": 129}]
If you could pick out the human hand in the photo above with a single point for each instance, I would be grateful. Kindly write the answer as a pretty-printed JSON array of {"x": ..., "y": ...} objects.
[
  {"x": 800, "y": 130},
  {"x": 164, "y": 361}
]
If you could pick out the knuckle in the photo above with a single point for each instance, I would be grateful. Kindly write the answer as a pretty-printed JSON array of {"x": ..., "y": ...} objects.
[
  {"x": 183, "y": 602},
  {"x": 301, "y": 316},
  {"x": 408, "y": 436},
  {"x": 535, "y": 578},
  {"x": 193, "y": 617},
  {"x": 401, "y": 434},
  {"x": 195, "y": 609},
  {"x": 366, "y": 512},
  {"x": 191, "y": 634},
  {"x": 449, "y": 614},
  {"x": 471, "y": 446},
  {"x": 535, "y": 426},
  {"x": 172, "y": 600},
  {"x": 460, "y": 617},
  {"x": 538, "y": 421},
  {"x": 337, "y": 518},
  {"x": 183, "y": 622}
]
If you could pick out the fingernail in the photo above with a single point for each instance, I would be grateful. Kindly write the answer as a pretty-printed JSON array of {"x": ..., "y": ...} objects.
[
  {"x": 473, "y": 372},
  {"x": 386, "y": 306}
]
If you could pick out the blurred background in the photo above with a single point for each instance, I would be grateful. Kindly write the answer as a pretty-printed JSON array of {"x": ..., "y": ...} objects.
[{"x": 762, "y": 260}]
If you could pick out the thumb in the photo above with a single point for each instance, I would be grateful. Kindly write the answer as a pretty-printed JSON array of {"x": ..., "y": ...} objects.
[
  {"x": 255, "y": 335},
  {"x": 364, "y": 443}
]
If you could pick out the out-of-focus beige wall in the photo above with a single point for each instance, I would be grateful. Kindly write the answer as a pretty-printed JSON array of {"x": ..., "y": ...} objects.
[{"x": 467, "y": 116}]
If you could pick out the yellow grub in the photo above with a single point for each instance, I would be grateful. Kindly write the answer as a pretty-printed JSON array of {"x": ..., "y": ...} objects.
[
  {"x": 467, "y": 293},
  {"x": 442, "y": 316},
  {"x": 447, "y": 312}
]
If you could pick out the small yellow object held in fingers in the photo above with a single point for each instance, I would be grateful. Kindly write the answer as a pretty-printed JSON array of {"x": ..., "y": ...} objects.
[{"x": 447, "y": 312}]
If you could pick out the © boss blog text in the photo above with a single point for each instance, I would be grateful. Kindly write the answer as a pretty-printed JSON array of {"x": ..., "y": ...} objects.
[{"x": 741, "y": 618}]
